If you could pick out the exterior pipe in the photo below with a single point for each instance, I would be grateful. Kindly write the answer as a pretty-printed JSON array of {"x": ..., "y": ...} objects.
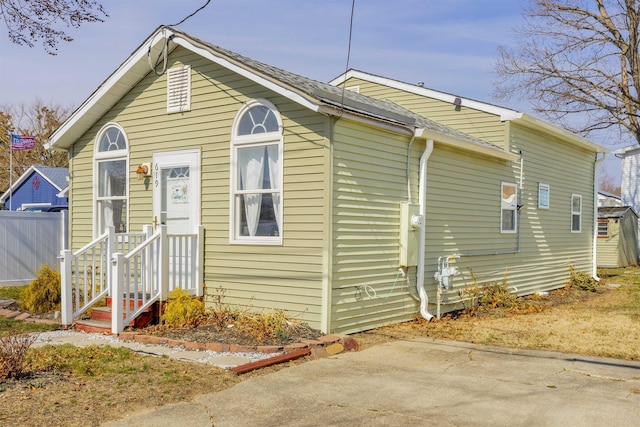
[
  {"x": 409, "y": 198},
  {"x": 594, "y": 255},
  {"x": 424, "y": 298}
]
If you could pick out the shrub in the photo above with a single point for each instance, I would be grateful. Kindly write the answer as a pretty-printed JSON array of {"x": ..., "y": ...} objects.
[
  {"x": 182, "y": 309},
  {"x": 44, "y": 293},
  {"x": 13, "y": 351},
  {"x": 581, "y": 280}
]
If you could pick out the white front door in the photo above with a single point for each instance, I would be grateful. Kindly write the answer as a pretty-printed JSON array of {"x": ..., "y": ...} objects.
[{"x": 176, "y": 190}]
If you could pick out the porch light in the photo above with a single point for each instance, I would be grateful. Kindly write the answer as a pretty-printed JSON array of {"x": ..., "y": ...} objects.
[{"x": 143, "y": 171}]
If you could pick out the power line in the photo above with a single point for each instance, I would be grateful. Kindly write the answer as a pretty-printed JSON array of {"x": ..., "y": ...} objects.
[
  {"x": 353, "y": 6},
  {"x": 196, "y": 11}
]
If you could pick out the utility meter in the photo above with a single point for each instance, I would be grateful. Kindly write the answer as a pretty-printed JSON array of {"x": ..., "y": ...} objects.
[{"x": 417, "y": 221}]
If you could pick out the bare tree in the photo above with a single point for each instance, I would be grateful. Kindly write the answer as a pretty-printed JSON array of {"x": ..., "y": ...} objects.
[
  {"x": 29, "y": 21},
  {"x": 578, "y": 62},
  {"x": 36, "y": 119},
  {"x": 607, "y": 183}
]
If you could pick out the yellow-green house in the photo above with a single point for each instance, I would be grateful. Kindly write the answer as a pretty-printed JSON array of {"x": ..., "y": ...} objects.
[{"x": 350, "y": 204}]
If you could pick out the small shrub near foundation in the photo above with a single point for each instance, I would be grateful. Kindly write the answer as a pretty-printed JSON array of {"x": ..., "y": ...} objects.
[
  {"x": 43, "y": 294},
  {"x": 13, "y": 351},
  {"x": 581, "y": 280},
  {"x": 182, "y": 309}
]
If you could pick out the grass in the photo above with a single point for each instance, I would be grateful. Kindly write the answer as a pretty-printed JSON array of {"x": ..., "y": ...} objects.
[{"x": 12, "y": 292}]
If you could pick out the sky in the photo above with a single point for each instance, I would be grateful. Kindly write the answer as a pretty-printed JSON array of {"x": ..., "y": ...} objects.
[{"x": 450, "y": 45}]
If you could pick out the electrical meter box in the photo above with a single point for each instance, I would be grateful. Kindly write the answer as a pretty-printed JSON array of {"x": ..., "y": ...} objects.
[{"x": 410, "y": 224}]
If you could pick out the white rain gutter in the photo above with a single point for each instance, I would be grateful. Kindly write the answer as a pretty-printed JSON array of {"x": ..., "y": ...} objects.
[
  {"x": 594, "y": 256},
  {"x": 424, "y": 298}
]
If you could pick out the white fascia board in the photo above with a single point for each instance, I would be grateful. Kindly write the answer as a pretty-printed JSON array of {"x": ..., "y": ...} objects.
[
  {"x": 535, "y": 123},
  {"x": 205, "y": 53},
  {"x": 627, "y": 151},
  {"x": 466, "y": 145},
  {"x": 504, "y": 113},
  {"x": 107, "y": 94}
]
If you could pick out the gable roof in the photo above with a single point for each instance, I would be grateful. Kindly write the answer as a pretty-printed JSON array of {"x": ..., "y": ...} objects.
[
  {"x": 58, "y": 177},
  {"x": 317, "y": 96},
  {"x": 505, "y": 114},
  {"x": 605, "y": 212}
]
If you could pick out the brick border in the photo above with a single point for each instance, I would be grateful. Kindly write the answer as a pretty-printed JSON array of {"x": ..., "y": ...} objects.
[{"x": 345, "y": 341}]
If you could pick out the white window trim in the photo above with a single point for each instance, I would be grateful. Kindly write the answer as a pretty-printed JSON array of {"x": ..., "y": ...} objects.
[
  {"x": 544, "y": 187},
  {"x": 108, "y": 155},
  {"x": 178, "y": 88},
  {"x": 576, "y": 213},
  {"x": 249, "y": 141},
  {"x": 509, "y": 207}
]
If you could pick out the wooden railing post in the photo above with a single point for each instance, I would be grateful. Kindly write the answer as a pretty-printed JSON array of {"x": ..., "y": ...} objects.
[
  {"x": 66, "y": 303},
  {"x": 164, "y": 264},
  {"x": 199, "y": 262},
  {"x": 117, "y": 293},
  {"x": 112, "y": 245}
]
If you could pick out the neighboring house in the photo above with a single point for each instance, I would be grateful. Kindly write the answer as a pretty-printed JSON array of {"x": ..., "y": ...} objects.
[
  {"x": 608, "y": 199},
  {"x": 617, "y": 236},
  {"x": 349, "y": 210},
  {"x": 39, "y": 186},
  {"x": 630, "y": 179}
]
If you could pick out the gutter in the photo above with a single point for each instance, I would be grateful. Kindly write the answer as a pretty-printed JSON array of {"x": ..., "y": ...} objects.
[{"x": 424, "y": 298}]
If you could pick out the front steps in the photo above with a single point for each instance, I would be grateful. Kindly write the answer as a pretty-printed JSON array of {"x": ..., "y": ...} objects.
[{"x": 100, "y": 321}]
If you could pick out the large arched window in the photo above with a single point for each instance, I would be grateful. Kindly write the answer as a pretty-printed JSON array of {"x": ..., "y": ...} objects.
[
  {"x": 256, "y": 174},
  {"x": 111, "y": 160}
]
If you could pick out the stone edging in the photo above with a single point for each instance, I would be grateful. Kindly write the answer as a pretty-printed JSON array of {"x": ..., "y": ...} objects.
[{"x": 325, "y": 345}]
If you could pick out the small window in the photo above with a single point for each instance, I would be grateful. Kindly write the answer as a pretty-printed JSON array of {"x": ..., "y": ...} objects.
[
  {"x": 543, "y": 196},
  {"x": 179, "y": 89},
  {"x": 576, "y": 213},
  {"x": 508, "y": 207},
  {"x": 603, "y": 228}
]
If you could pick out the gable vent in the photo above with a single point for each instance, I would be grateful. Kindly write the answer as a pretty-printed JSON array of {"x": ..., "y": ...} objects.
[{"x": 179, "y": 89}]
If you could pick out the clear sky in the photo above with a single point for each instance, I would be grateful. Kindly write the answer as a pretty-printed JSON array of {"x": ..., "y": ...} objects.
[{"x": 450, "y": 45}]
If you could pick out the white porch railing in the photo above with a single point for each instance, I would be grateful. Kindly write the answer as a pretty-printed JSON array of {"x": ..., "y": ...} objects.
[{"x": 145, "y": 267}]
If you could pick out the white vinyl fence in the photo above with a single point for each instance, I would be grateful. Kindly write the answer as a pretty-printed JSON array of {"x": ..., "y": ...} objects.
[{"x": 29, "y": 240}]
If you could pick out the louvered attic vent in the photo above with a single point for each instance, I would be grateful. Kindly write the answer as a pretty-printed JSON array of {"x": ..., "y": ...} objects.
[{"x": 179, "y": 89}]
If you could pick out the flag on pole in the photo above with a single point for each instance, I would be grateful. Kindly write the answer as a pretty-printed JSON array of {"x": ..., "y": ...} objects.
[{"x": 22, "y": 142}]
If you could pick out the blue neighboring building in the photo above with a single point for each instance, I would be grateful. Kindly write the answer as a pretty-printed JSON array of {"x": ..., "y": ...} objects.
[{"x": 38, "y": 186}]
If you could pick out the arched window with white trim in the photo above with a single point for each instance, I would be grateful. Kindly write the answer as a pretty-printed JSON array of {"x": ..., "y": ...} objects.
[
  {"x": 111, "y": 159},
  {"x": 256, "y": 174}
]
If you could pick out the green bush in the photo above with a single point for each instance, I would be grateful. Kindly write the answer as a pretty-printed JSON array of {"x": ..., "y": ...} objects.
[
  {"x": 182, "y": 309},
  {"x": 44, "y": 293}
]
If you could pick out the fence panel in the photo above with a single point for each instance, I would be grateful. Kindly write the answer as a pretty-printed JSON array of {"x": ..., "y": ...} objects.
[{"x": 27, "y": 241}]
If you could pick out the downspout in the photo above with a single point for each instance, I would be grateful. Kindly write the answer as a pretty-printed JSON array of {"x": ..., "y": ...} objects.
[
  {"x": 594, "y": 229},
  {"x": 424, "y": 298},
  {"x": 408, "y": 174}
]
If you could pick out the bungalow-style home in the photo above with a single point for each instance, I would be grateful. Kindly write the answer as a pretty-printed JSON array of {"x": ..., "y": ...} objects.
[
  {"x": 617, "y": 236},
  {"x": 350, "y": 205},
  {"x": 38, "y": 186}
]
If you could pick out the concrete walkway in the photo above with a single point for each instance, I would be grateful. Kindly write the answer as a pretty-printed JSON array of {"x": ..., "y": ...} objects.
[{"x": 422, "y": 382}]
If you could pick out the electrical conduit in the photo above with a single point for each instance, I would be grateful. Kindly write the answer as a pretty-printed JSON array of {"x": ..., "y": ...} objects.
[{"x": 424, "y": 298}]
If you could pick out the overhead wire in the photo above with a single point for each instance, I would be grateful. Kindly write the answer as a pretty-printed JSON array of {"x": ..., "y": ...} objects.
[{"x": 353, "y": 6}]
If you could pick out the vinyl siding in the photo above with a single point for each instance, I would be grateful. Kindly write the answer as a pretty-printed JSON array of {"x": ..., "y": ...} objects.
[
  {"x": 462, "y": 217},
  {"x": 539, "y": 262},
  {"x": 476, "y": 123},
  {"x": 368, "y": 185},
  {"x": 255, "y": 277}
]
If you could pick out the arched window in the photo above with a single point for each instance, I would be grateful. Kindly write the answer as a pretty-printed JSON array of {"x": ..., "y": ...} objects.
[
  {"x": 256, "y": 174},
  {"x": 111, "y": 192}
]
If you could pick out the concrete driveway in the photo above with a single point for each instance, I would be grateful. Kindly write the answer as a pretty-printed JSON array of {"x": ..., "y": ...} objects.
[{"x": 423, "y": 382}]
